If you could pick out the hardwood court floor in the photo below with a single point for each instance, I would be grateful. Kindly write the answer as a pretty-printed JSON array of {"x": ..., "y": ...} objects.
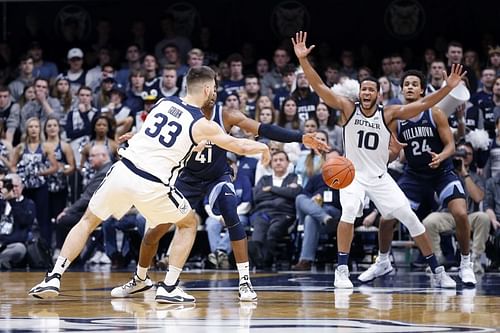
[{"x": 288, "y": 302}]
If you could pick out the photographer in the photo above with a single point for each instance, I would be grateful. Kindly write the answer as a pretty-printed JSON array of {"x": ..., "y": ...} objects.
[
  {"x": 439, "y": 222},
  {"x": 17, "y": 214}
]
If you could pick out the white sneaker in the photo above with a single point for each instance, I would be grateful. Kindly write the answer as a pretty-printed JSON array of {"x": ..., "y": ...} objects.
[
  {"x": 378, "y": 269},
  {"x": 176, "y": 295},
  {"x": 441, "y": 279},
  {"x": 246, "y": 292},
  {"x": 95, "y": 259},
  {"x": 342, "y": 278},
  {"x": 48, "y": 288},
  {"x": 134, "y": 286},
  {"x": 466, "y": 274}
]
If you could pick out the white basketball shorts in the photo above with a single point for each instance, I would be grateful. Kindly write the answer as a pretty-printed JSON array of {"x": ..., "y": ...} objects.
[
  {"x": 122, "y": 188},
  {"x": 384, "y": 192}
]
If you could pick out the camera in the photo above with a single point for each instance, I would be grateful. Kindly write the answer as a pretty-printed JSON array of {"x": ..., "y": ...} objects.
[
  {"x": 457, "y": 163},
  {"x": 460, "y": 154},
  {"x": 7, "y": 184}
]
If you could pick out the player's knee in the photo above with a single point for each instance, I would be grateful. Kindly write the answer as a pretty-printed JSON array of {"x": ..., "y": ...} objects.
[
  {"x": 153, "y": 235},
  {"x": 348, "y": 218},
  {"x": 90, "y": 221},
  {"x": 227, "y": 203},
  {"x": 227, "y": 207},
  {"x": 349, "y": 213},
  {"x": 406, "y": 216}
]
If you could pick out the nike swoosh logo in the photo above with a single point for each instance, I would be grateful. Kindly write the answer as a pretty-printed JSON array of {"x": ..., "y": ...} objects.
[{"x": 228, "y": 194}]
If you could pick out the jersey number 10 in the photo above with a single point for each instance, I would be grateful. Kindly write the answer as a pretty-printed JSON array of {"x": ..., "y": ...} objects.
[{"x": 368, "y": 140}]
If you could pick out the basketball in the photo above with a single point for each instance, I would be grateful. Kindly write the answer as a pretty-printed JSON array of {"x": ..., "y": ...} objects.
[{"x": 338, "y": 172}]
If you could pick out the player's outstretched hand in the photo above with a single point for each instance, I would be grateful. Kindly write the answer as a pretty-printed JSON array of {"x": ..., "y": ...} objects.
[
  {"x": 456, "y": 74},
  {"x": 436, "y": 160},
  {"x": 299, "y": 45},
  {"x": 125, "y": 137},
  {"x": 309, "y": 139}
]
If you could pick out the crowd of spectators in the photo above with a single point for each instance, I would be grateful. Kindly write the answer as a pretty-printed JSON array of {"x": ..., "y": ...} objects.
[{"x": 60, "y": 123}]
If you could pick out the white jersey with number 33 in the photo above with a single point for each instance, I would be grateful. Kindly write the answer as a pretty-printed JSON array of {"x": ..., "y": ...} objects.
[
  {"x": 164, "y": 143},
  {"x": 367, "y": 143}
]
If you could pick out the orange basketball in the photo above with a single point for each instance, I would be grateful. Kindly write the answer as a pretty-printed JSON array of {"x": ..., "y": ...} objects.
[{"x": 338, "y": 172}]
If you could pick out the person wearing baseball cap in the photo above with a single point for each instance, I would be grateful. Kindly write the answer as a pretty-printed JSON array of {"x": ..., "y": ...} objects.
[
  {"x": 75, "y": 53},
  {"x": 75, "y": 74}
]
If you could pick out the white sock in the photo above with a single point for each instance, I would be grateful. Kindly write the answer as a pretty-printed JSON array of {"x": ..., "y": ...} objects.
[
  {"x": 61, "y": 265},
  {"x": 383, "y": 256},
  {"x": 141, "y": 272},
  {"x": 244, "y": 271},
  {"x": 172, "y": 275},
  {"x": 465, "y": 258}
]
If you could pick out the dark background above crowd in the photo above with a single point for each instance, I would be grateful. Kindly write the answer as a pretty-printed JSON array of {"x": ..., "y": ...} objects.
[{"x": 370, "y": 28}]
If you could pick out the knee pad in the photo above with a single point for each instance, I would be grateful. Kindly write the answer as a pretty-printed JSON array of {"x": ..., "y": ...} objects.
[
  {"x": 227, "y": 203},
  {"x": 406, "y": 216}
]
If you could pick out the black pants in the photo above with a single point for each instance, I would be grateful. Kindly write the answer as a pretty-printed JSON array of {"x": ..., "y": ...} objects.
[
  {"x": 267, "y": 231},
  {"x": 40, "y": 196},
  {"x": 64, "y": 225}
]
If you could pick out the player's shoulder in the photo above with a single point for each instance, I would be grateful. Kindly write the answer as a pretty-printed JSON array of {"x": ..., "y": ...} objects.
[
  {"x": 437, "y": 114},
  {"x": 176, "y": 106},
  {"x": 205, "y": 124}
]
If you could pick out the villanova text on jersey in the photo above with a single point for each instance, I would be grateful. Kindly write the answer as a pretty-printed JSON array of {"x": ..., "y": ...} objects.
[{"x": 418, "y": 132}]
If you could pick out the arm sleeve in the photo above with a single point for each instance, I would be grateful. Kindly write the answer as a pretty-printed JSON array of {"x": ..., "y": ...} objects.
[{"x": 279, "y": 134}]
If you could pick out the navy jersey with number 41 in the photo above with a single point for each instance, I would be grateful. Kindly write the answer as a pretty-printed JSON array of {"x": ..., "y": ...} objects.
[
  {"x": 422, "y": 136},
  {"x": 211, "y": 162}
]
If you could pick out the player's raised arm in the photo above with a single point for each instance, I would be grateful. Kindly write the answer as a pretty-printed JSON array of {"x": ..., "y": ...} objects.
[
  {"x": 207, "y": 130},
  {"x": 411, "y": 110},
  {"x": 302, "y": 51}
]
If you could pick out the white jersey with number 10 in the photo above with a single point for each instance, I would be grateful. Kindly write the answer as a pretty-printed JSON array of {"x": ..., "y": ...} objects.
[{"x": 367, "y": 143}]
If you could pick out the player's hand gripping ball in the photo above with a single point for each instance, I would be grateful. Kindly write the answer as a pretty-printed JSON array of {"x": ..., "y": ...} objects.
[{"x": 338, "y": 172}]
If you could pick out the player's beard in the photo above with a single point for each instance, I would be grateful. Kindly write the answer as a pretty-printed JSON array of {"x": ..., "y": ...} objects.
[{"x": 210, "y": 102}]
